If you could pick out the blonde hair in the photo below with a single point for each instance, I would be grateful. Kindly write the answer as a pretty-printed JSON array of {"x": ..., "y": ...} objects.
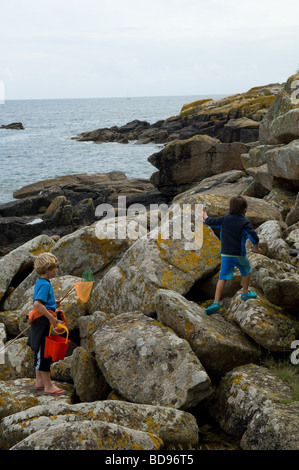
[{"x": 45, "y": 262}]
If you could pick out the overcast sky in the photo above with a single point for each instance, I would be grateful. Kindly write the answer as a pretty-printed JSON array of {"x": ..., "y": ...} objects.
[{"x": 102, "y": 48}]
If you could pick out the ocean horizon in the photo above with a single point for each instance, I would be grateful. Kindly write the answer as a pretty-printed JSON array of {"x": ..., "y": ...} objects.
[{"x": 45, "y": 149}]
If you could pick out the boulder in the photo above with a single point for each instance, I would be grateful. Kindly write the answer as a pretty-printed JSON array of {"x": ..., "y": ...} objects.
[
  {"x": 285, "y": 128},
  {"x": 11, "y": 321},
  {"x": 174, "y": 427},
  {"x": 216, "y": 205},
  {"x": 146, "y": 362},
  {"x": 283, "y": 162},
  {"x": 89, "y": 382},
  {"x": 278, "y": 281},
  {"x": 274, "y": 427},
  {"x": 18, "y": 360},
  {"x": 61, "y": 181},
  {"x": 182, "y": 163},
  {"x": 88, "y": 325},
  {"x": 264, "y": 322},
  {"x": 242, "y": 393},
  {"x": 59, "y": 212},
  {"x": 270, "y": 235},
  {"x": 21, "y": 260},
  {"x": 88, "y": 248},
  {"x": 283, "y": 199},
  {"x": 219, "y": 345},
  {"x": 14, "y": 125},
  {"x": 19, "y": 395},
  {"x": 153, "y": 262},
  {"x": 227, "y": 183},
  {"x": 285, "y": 100},
  {"x": 86, "y": 435},
  {"x": 293, "y": 215}
]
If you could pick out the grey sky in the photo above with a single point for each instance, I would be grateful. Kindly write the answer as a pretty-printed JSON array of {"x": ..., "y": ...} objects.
[{"x": 95, "y": 48}]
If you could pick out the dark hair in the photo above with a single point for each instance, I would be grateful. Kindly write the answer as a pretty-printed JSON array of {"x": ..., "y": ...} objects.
[{"x": 237, "y": 204}]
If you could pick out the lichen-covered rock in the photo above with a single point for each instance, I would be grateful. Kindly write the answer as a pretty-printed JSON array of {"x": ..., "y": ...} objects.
[
  {"x": 283, "y": 199},
  {"x": 155, "y": 262},
  {"x": 216, "y": 205},
  {"x": 22, "y": 259},
  {"x": 182, "y": 163},
  {"x": 278, "y": 281},
  {"x": 264, "y": 322},
  {"x": 270, "y": 234},
  {"x": 86, "y": 435},
  {"x": 87, "y": 249},
  {"x": 88, "y": 326},
  {"x": 174, "y": 427},
  {"x": 243, "y": 392},
  {"x": 89, "y": 382},
  {"x": 285, "y": 128},
  {"x": 227, "y": 183},
  {"x": 293, "y": 215},
  {"x": 273, "y": 427},
  {"x": 283, "y": 162},
  {"x": 146, "y": 362},
  {"x": 18, "y": 360},
  {"x": 20, "y": 394},
  {"x": 219, "y": 345},
  {"x": 285, "y": 100},
  {"x": 61, "y": 370}
]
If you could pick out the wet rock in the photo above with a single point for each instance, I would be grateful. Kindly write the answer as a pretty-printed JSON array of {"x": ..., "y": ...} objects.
[{"x": 14, "y": 125}]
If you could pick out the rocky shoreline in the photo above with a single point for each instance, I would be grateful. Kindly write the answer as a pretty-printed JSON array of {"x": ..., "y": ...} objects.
[{"x": 146, "y": 364}]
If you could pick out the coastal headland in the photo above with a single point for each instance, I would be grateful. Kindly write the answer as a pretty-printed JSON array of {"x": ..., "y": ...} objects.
[{"x": 147, "y": 368}]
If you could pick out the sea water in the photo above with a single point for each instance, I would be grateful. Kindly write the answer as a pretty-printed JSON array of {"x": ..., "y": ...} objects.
[{"x": 45, "y": 149}]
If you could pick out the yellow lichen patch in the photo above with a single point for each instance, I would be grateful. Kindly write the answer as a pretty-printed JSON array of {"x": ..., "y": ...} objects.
[{"x": 194, "y": 107}]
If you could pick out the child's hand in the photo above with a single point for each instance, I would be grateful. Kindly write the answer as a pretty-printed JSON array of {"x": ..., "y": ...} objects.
[
  {"x": 258, "y": 250},
  {"x": 53, "y": 321},
  {"x": 204, "y": 215},
  {"x": 58, "y": 303}
]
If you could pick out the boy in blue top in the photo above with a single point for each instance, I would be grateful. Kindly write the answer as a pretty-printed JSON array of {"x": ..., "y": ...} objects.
[
  {"x": 42, "y": 315},
  {"x": 235, "y": 229}
]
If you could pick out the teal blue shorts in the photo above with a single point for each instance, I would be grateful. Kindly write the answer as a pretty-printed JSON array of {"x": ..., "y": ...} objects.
[{"x": 228, "y": 263}]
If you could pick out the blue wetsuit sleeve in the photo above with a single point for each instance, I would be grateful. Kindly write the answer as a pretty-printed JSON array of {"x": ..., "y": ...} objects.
[
  {"x": 251, "y": 233},
  {"x": 214, "y": 222}
]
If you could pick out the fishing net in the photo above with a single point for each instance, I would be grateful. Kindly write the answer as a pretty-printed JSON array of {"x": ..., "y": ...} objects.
[{"x": 84, "y": 288}]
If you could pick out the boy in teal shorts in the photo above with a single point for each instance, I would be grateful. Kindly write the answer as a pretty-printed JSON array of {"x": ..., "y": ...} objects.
[{"x": 235, "y": 229}]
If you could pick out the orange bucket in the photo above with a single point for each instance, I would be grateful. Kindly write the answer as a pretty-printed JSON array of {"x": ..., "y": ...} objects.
[{"x": 55, "y": 346}]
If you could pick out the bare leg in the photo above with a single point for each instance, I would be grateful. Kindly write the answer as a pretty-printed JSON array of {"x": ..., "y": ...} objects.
[
  {"x": 49, "y": 387},
  {"x": 245, "y": 281},
  {"x": 38, "y": 379},
  {"x": 219, "y": 290}
]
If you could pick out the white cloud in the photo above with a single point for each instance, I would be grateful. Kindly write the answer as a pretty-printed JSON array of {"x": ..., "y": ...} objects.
[{"x": 70, "y": 48}]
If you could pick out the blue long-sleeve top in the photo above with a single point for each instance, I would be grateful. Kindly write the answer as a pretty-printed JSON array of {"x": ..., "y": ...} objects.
[{"x": 234, "y": 231}]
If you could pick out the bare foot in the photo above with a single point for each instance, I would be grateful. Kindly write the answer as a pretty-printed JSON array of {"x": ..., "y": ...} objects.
[{"x": 54, "y": 391}]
